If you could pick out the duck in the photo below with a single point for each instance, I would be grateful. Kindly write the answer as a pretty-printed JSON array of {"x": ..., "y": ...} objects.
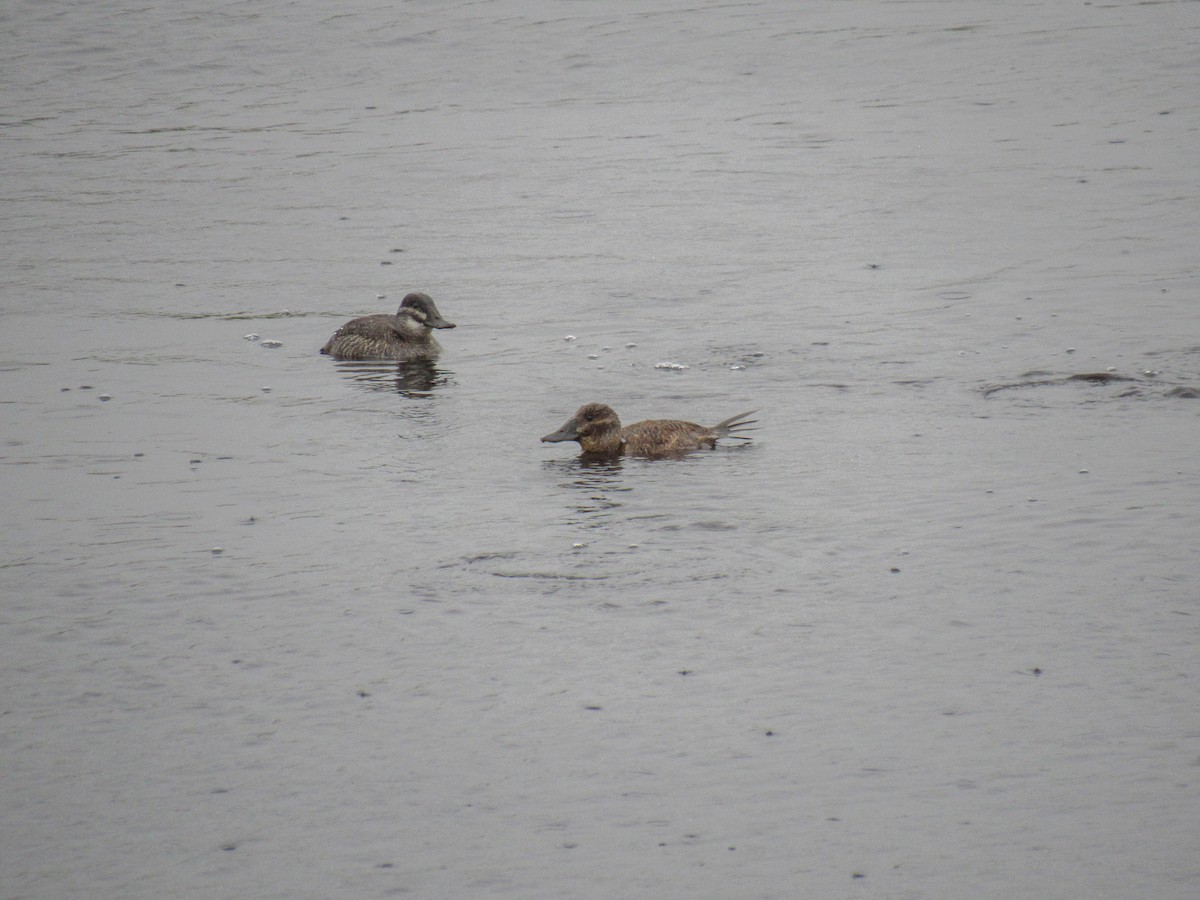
[
  {"x": 406, "y": 335},
  {"x": 599, "y": 432}
]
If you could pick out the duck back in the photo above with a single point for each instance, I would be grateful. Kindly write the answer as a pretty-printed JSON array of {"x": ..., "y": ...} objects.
[
  {"x": 674, "y": 437},
  {"x": 382, "y": 337}
]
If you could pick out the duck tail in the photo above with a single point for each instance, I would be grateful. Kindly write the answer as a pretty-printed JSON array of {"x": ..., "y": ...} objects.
[{"x": 734, "y": 425}]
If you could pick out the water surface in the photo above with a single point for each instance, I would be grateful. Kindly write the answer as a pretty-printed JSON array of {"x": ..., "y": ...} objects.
[{"x": 278, "y": 626}]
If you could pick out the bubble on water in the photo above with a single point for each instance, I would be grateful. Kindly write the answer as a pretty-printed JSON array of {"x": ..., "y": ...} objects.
[
  {"x": 570, "y": 337},
  {"x": 674, "y": 367},
  {"x": 271, "y": 344},
  {"x": 217, "y": 551},
  {"x": 104, "y": 397},
  {"x": 265, "y": 389},
  {"x": 252, "y": 337},
  {"x": 630, "y": 346},
  {"x": 578, "y": 546}
]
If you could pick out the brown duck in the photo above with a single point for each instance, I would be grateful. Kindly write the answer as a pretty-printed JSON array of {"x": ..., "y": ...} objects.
[
  {"x": 599, "y": 432},
  {"x": 406, "y": 335}
]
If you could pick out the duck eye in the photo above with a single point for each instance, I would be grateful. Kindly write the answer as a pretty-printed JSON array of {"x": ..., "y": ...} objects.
[{"x": 590, "y": 416}]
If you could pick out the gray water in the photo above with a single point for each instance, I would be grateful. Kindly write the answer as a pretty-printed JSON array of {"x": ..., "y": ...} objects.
[{"x": 274, "y": 626}]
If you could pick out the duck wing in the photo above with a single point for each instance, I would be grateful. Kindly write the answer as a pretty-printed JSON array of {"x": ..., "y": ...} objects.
[{"x": 665, "y": 437}]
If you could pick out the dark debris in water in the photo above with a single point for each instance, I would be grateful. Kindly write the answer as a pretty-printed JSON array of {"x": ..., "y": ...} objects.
[
  {"x": 226, "y": 317},
  {"x": 1188, "y": 393},
  {"x": 1138, "y": 386},
  {"x": 1100, "y": 377},
  {"x": 551, "y": 576}
]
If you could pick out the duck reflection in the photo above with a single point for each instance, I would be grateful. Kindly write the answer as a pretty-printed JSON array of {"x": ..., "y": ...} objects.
[
  {"x": 595, "y": 485},
  {"x": 414, "y": 378}
]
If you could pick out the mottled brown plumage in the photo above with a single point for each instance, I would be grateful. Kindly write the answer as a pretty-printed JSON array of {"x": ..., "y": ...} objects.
[
  {"x": 406, "y": 335},
  {"x": 599, "y": 432}
]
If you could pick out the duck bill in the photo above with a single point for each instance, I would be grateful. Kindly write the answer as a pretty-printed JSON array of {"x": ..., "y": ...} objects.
[
  {"x": 567, "y": 433},
  {"x": 433, "y": 318}
]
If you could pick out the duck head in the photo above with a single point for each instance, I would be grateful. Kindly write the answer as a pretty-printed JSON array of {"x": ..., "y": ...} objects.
[
  {"x": 596, "y": 428},
  {"x": 422, "y": 308}
]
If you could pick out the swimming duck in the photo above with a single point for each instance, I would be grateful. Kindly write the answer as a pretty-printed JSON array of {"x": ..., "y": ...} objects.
[
  {"x": 406, "y": 335},
  {"x": 600, "y": 434}
]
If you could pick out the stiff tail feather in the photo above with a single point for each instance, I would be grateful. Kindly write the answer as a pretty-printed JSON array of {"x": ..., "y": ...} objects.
[{"x": 734, "y": 425}]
